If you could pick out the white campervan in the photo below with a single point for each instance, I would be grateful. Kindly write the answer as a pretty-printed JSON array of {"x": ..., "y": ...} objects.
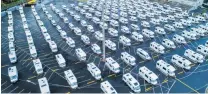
[
  {"x": 96, "y": 49},
  {"x": 168, "y": 43},
  {"x": 43, "y": 84},
  {"x": 71, "y": 79},
  {"x": 70, "y": 42},
  {"x": 47, "y": 37},
  {"x": 143, "y": 54},
  {"x": 165, "y": 68},
  {"x": 99, "y": 36},
  {"x": 123, "y": 20},
  {"x": 181, "y": 62},
  {"x": 107, "y": 88},
  {"x": 135, "y": 27},
  {"x": 80, "y": 54},
  {"x": 189, "y": 35},
  {"x": 85, "y": 39},
  {"x": 114, "y": 23},
  {"x": 90, "y": 28},
  {"x": 11, "y": 46},
  {"x": 33, "y": 51},
  {"x": 103, "y": 25},
  {"x": 179, "y": 39},
  {"x": 157, "y": 47},
  {"x": 77, "y": 31},
  {"x": 155, "y": 21},
  {"x": 125, "y": 41},
  {"x": 96, "y": 20},
  {"x": 13, "y": 74},
  {"x": 160, "y": 30},
  {"x": 113, "y": 32},
  {"x": 137, "y": 37},
  {"x": 83, "y": 23},
  {"x": 94, "y": 71},
  {"x": 63, "y": 34},
  {"x": 145, "y": 24},
  {"x": 131, "y": 82},
  {"x": 178, "y": 25},
  {"x": 112, "y": 65},
  {"x": 12, "y": 56},
  {"x": 125, "y": 29},
  {"x": 11, "y": 36},
  {"x": 38, "y": 66},
  {"x": 133, "y": 19},
  {"x": 110, "y": 44},
  {"x": 61, "y": 61},
  {"x": 202, "y": 49},
  {"x": 128, "y": 59},
  {"x": 148, "y": 75},
  {"x": 148, "y": 33},
  {"x": 193, "y": 56},
  {"x": 169, "y": 27}
]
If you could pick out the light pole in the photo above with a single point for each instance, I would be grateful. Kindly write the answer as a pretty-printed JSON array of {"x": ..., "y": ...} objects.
[{"x": 103, "y": 31}]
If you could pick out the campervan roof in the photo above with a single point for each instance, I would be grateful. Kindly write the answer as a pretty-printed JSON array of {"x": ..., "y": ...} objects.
[
  {"x": 150, "y": 73},
  {"x": 69, "y": 74}
]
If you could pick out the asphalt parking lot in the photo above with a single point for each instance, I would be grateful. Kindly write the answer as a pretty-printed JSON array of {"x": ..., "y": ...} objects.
[{"x": 185, "y": 82}]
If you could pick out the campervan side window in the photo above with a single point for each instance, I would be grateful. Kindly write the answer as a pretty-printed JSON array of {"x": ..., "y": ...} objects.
[
  {"x": 157, "y": 63},
  {"x": 164, "y": 68},
  {"x": 199, "y": 47},
  {"x": 180, "y": 62},
  {"x": 174, "y": 58},
  {"x": 146, "y": 75}
]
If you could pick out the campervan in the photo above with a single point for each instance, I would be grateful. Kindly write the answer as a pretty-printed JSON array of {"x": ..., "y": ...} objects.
[
  {"x": 193, "y": 56},
  {"x": 113, "y": 32},
  {"x": 181, "y": 62},
  {"x": 107, "y": 88},
  {"x": 178, "y": 25},
  {"x": 145, "y": 24},
  {"x": 99, "y": 36},
  {"x": 189, "y": 35},
  {"x": 70, "y": 42},
  {"x": 13, "y": 74},
  {"x": 169, "y": 27},
  {"x": 123, "y": 20},
  {"x": 90, "y": 28},
  {"x": 124, "y": 40},
  {"x": 168, "y": 43},
  {"x": 158, "y": 48},
  {"x": 85, "y": 39},
  {"x": 148, "y": 75},
  {"x": 61, "y": 61},
  {"x": 83, "y": 23},
  {"x": 96, "y": 49},
  {"x": 71, "y": 26},
  {"x": 96, "y": 20},
  {"x": 179, "y": 39},
  {"x": 103, "y": 25},
  {"x": 80, "y": 54},
  {"x": 135, "y": 27},
  {"x": 131, "y": 82},
  {"x": 112, "y": 65},
  {"x": 143, "y": 54},
  {"x": 137, "y": 37},
  {"x": 88, "y": 15},
  {"x": 63, "y": 34},
  {"x": 114, "y": 23},
  {"x": 128, "y": 59},
  {"x": 133, "y": 18},
  {"x": 148, "y": 33},
  {"x": 38, "y": 66},
  {"x": 165, "y": 68},
  {"x": 202, "y": 49},
  {"x": 77, "y": 31},
  {"x": 33, "y": 51},
  {"x": 110, "y": 44},
  {"x": 11, "y": 46},
  {"x": 77, "y": 17},
  {"x": 125, "y": 29},
  {"x": 94, "y": 71},
  {"x": 71, "y": 79},
  {"x": 53, "y": 46},
  {"x": 12, "y": 56},
  {"x": 160, "y": 30}
]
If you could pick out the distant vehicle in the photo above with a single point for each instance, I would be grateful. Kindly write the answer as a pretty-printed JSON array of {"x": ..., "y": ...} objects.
[
  {"x": 125, "y": 29},
  {"x": 58, "y": 28},
  {"x": 107, "y": 88},
  {"x": 83, "y": 23},
  {"x": 112, "y": 65},
  {"x": 165, "y": 68},
  {"x": 169, "y": 27},
  {"x": 77, "y": 31},
  {"x": 113, "y": 32},
  {"x": 148, "y": 75},
  {"x": 88, "y": 15},
  {"x": 201, "y": 18},
  {"x": 82, "y": 11},
  {"x": 193, "y": 56},
  {"x": 94, "y": 71},
  {"x": 11, "y": 46},
  {"x": 148, "y": 33},
  {"x": 143, "y": 54},
  {"x": 38, "y": 66},
  {"x": 98, "y": 14},
  {"x": 96, "y": 49},
  {"x": 123, "y": 20},
  {"x": 186, "y": 22},
  {"x": 202, "y": 49},
  {"x": 47, "y": 37},
  {"x": 12, "y": 56},
  {"x": 163, "y": 19},
  {"x": 99, "y": 36},
  {"x": 43, "y": 84},
  {"x": 160, "y": 30},
  {"x": 115, "y": 16},
  {"x": 123, "y": 14},
  {"x": 133, "y": 18},
  {"x": 53, "y": 22},
  {"x": 11, "y": 36},
  {"x": 114, "y": 23},
  {"x": 131, "y": 82},
  {"x": 145, "y": 24},
  {"x": 10, "y": 29},
  {"x": 106, "y": 18},
  {"x": 179, "y": 39},
  {"x": 103, "y": 25},
  {"x": 158, "y": 48},
  {"x": 181, "y": 62},
  {"x": 135, "y": 27},
  {"x": 33, "y": 51},
  {"x": 70, "y": 42},
  {"x": 96, "y": 20},
  {"x": 77, "y": 17},
  {"x": 178, "y": 25},
  {"x": 61, "y": 61},
  {"x": 125, "y": 41},
  {"x": 141, "y": 16},
  {"x": 71, "y": 26},
  {"x": 53, "y": 46},
  {"x": 206, "y": 44},
  {"x": 30, "y": 41},
  {"x": 80, "y": 54},
  {"x": 85, "y": 39},
  {"x": 193, "y": 20},
  {"x": 66, "y": 20},
  {"x": 90, "y": 28},
  {"x": 110, "y": 44},
  {"x": 137, "y": 37},
  {"x": 128, "y": 59},
  {"x": 13, "y": 74},
  {"x": 155, "y": 21},
  {"x": 168, "y": 43},
  {"x": 189, "y": 35},
  {"x": 63, "y": 34}
]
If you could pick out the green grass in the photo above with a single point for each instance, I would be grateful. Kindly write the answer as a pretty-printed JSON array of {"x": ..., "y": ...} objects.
[
  {"x": 82, "y": 0},
  {"x": 16, "y": 2}
]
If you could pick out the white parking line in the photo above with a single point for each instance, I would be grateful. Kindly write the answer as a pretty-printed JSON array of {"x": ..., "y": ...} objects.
[
  {"x": 14, "y": 89},
  {"x": 21, "y": 91},
  {"x": 6, "y": 87},
  {"x": 3, "y": 83}
]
